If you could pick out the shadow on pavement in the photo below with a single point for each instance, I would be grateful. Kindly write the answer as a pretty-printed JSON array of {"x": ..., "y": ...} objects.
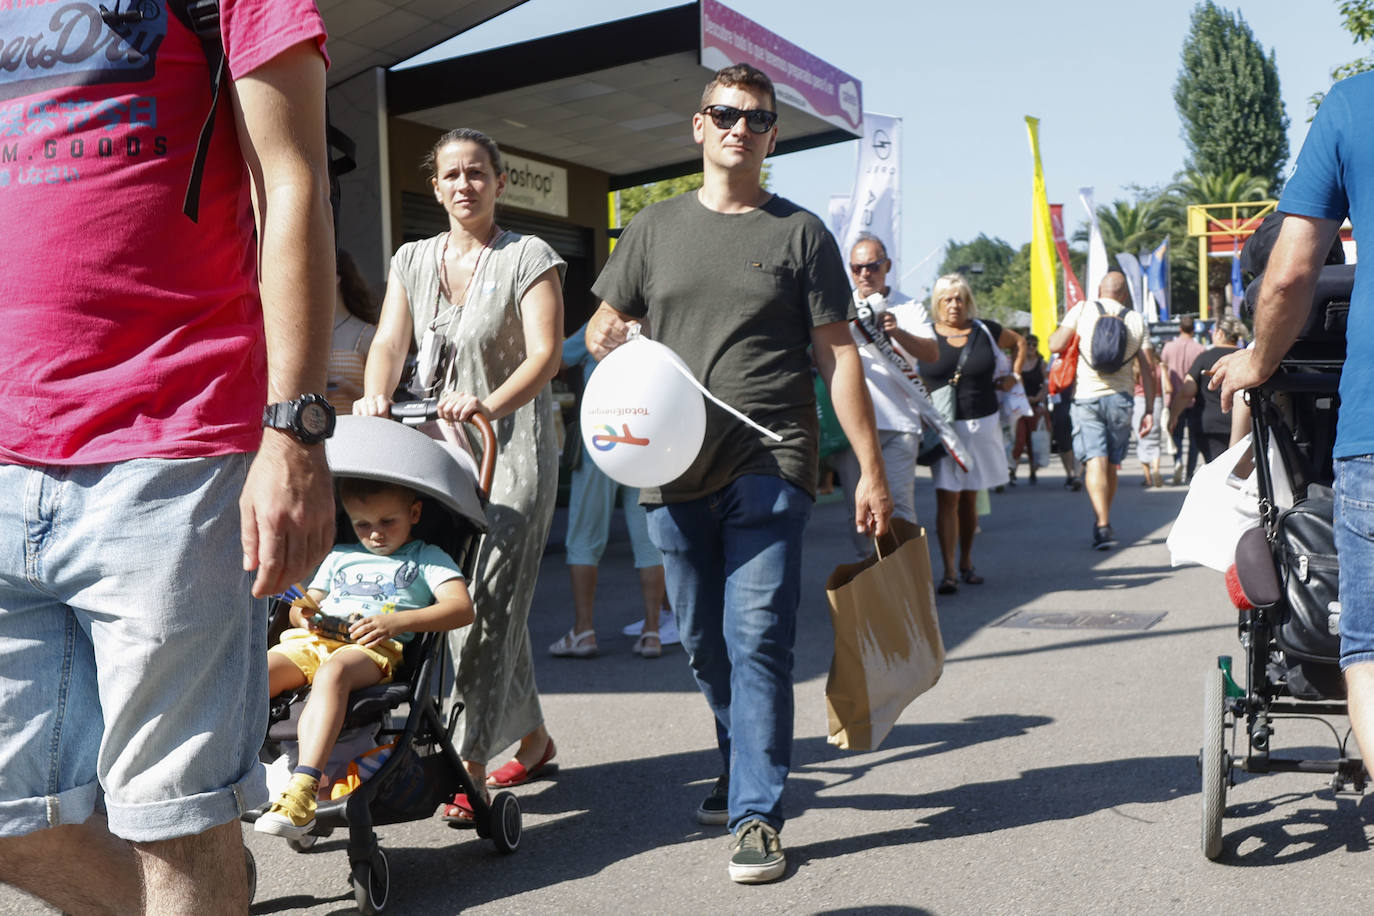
[
  {"x": 610, "y": 813},
  {"x": 1299, "y": 830}
]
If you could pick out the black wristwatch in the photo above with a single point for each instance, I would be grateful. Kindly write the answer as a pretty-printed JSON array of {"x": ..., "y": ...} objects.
[{"x": 310, "y": 418}]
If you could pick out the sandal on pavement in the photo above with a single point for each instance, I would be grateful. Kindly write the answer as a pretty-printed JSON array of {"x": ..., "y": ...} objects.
[
  {"x": 459, "y": 813},
  {"x": 971, "y": 577},
  {"x": 514, "y": 773},
  {"x": 642, "y": 647},
  {"x": 575, "y": 645},
  {"x": 948, "y": 586}
]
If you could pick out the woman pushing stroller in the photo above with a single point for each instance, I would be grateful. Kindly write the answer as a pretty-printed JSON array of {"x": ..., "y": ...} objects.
[{"x": 365, "y": 601}]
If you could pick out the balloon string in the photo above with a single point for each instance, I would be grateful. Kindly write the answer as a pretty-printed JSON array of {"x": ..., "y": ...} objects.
[
  {"x": 718, "y": 402},
  {"x": 636, "y": 331}
]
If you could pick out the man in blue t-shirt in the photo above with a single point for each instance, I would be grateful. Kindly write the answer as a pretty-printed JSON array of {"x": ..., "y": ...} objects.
[{"x": 1333, "y": 179}]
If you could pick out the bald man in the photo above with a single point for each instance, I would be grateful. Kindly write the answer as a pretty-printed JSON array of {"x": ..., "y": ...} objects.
[{"x": 1103, "y": 401}]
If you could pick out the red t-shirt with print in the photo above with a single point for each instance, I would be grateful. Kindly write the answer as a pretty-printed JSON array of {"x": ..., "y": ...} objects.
[{"x": 131, "y": 331}]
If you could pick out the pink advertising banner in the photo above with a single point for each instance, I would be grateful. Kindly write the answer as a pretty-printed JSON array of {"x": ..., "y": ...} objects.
[{"x": 800, "y": 79}]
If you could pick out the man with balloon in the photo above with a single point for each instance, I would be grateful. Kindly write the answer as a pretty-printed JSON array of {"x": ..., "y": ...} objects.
[{"x": 734, "y": 284}]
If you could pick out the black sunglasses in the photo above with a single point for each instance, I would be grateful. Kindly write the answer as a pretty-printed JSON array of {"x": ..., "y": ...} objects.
[
  {"x": 871, "y": 265},
  {"x": 756, "y": 119}
]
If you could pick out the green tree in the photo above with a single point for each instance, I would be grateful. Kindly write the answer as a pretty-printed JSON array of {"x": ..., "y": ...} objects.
[
  {"x": 1009, "y": 302},
  {"x": 1194, "y": 187},
  {"x": 1227, "y": 96},
  {"x": 997, "y": 273},
  {"x": 983, "y": 262},
  {"x": 1357, "y": 18},
  {"x": 1129, "y": 226}
]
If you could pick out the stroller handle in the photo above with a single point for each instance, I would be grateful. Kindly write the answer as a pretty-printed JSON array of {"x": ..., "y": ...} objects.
[{"x": 427, "y": 409}]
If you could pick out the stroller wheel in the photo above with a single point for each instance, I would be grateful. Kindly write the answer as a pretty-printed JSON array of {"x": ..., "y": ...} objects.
[
  {"x": 372, "y": 884},
  {"x": 504, "y": 825},
  {"x": 252, "y": 873},
  {"x": 1214, "y": 762}
]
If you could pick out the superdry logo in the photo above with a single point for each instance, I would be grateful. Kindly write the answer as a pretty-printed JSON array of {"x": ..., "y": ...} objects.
[{"x": 60, "y": 45}]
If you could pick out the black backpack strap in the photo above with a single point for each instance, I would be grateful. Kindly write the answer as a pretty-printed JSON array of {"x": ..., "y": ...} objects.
[{"x": 202, "y": 18}]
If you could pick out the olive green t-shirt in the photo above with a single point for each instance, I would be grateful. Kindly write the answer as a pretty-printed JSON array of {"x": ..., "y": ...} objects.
[{"x": 736, "y": 296}]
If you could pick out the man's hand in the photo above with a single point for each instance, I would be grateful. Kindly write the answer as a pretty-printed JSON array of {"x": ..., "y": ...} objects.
[
  {"x": 872, "y": 505},
  {"x": 1236, "y": 372},
  {"x": 606, "y": 330},
  {"x": 1147, "y": 423},
  {"x": 287, "y": 513}
]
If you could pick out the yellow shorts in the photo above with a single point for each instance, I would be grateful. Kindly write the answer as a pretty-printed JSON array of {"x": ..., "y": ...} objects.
[{"x": 307, "y": 651}]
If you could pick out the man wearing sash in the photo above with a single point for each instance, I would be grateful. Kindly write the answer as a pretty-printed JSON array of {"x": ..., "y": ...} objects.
[{"x": 901, "y": 334}]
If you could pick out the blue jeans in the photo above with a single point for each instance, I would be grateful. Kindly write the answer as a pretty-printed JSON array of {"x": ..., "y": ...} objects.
[
  {"x": 133, "y": 660},
  {"x": 1355, "y": 547},
  {"x": 732, "y": 561}
]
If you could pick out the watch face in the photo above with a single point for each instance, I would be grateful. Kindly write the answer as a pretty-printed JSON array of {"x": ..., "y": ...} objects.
[{"x": 314, "y": 419}]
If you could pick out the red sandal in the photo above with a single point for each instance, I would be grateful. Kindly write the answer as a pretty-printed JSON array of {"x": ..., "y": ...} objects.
[
  {"x": 514, "y": 773},
  {"x": 459, "y": 812}
]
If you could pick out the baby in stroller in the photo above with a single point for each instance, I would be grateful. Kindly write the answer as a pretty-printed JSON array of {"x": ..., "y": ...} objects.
[{"x": 348, "y": 629}]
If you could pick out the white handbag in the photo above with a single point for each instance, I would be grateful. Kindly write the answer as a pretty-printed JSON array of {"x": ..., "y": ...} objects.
[{"x": 1221, "y": 505}]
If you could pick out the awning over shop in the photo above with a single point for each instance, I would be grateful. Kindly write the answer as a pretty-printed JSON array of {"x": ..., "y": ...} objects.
[
  {"x": 618, "y": 97},
  {"x": 381, "y": 33}
]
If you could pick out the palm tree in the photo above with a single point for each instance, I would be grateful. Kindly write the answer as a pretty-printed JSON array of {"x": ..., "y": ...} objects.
[
  {"x": 1194, "y": 187},
  {"x": 1129, "y": 226}
]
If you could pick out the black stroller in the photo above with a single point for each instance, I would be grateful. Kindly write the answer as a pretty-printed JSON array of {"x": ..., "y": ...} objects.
[
  {"x": 424, "y": 768},
  {"x": 1287, "y": 577}
]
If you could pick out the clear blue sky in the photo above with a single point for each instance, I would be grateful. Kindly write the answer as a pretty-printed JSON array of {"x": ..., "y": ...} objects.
[{"x": 962, "y": 76}]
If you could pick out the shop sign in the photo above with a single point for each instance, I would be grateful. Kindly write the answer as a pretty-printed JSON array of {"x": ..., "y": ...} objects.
[{"x": 534, "y": 185}]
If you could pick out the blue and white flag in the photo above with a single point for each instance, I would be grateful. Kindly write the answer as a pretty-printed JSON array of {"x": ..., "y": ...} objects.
[
  {"x": 1158, "y": 274},
  {"x": 1131, "y": 268}
]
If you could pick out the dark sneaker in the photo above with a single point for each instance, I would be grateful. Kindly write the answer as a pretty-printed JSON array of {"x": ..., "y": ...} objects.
[
  {"x": 1103, "y": 539},
  {"x": 757, "y": 854},
  {"x": 715, "y": 808}
]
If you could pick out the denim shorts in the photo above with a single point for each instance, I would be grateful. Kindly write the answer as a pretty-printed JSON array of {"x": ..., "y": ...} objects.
[
  {"x": 133, "y": 660},
  {"x": 1102, "y": 427},
  {"x": 1355, "y": 547}
]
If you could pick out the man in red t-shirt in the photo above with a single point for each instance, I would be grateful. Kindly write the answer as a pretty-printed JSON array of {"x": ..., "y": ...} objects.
[
  {"x": 1177, "y": 356},
  {"x": 146, "y": 511}
]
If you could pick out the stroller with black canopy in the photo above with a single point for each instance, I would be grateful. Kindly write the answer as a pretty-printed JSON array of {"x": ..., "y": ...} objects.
[
  {"x": 423, "y": 768},
  {"x": 1287, "y": 576}
]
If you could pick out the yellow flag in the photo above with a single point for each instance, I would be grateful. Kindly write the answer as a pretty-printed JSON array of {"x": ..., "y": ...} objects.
[{"x": 1044, "y": 297}]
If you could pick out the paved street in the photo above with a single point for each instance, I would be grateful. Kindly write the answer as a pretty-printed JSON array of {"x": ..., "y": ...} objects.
[{"x": 1051, "y": 771}]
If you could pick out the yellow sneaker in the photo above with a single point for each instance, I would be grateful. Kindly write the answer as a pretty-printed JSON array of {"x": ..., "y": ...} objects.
[{"x": 292, "y": 815}]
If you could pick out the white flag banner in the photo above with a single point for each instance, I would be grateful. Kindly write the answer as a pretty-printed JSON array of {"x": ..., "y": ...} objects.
[
  {"x": 1097, "y": 251},
  {"x": 838, "y": 216},
  {"x": 875, "y": 205}
]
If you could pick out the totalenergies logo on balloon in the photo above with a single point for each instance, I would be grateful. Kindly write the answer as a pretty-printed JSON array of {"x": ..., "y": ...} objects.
[{"x": 606, "y": 438}]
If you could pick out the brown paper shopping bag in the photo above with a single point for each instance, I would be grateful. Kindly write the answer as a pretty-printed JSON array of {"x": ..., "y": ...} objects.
[{"x": 888, "y": 649}]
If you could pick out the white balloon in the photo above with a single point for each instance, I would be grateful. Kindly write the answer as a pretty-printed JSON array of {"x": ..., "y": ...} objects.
[{"x": 642, "y": 420}]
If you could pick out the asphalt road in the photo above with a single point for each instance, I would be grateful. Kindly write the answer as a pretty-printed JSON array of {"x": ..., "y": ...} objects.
[{"x": 1050, "y": 771}]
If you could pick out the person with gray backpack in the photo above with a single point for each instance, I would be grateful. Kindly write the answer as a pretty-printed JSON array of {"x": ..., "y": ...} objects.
[{"x": 1110, "y": 336}]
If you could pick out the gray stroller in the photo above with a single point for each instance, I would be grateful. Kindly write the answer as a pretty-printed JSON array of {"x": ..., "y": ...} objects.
[{"x": 424, "y": 769}]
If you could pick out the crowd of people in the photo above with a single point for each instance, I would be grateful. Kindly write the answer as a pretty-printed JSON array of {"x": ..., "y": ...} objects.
[{"x": 137, "y": 706}]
